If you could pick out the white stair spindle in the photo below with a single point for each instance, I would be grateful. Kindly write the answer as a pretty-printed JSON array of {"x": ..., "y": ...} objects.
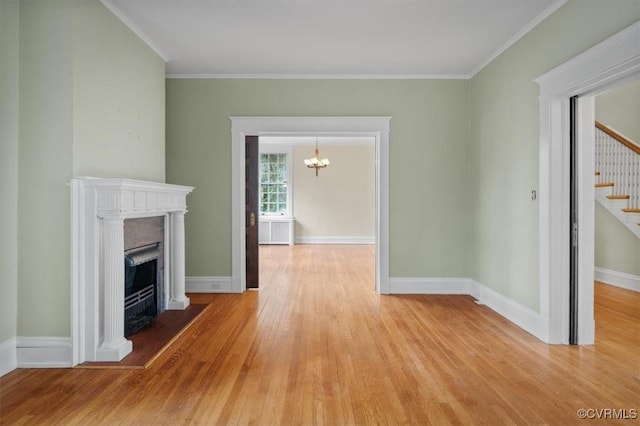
[{"x": 618, "y": 162}]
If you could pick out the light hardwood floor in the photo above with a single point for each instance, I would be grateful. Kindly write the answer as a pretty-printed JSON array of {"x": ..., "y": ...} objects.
[{"x": 317, "y": 345}]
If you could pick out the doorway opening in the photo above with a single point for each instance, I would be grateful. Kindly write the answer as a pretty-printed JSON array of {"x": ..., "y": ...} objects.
[
  {"x": 605, "y": 65},
  {"x": 617, "y": 234},
  {"x": 611, "y": 171},
  {"x": 332, "y": 206},
  {"x": 376, "y": 128}
]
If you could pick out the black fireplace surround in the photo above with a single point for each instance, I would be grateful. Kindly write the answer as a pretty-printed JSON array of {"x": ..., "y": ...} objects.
[{"x": 142, "y": 295}]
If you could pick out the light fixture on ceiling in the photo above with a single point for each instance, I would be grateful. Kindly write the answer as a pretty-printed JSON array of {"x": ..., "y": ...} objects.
[{"x": 314, "y": 163}]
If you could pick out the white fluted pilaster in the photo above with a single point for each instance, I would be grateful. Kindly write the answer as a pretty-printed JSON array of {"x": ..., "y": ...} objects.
[
  {"x": 114, "y": 346},
  {"x": 99, "y": 208},
  {"x": 178, "y": 299}
]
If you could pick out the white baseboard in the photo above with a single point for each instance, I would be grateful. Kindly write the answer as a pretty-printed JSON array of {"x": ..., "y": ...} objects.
[
  {"x": 335, "y": 240},
  {"x": 462, "y": 286},
  {"x": 521, "y": 316},
  {"x": 618, "y": 279},
  {"x": 43, "y": 352},
  {"x": 8, "y": 357},
  {"x": 208, "y": 285}
]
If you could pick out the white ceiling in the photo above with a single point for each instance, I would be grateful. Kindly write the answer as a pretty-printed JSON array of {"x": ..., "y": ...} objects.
[{"x": 349, "y": 38}]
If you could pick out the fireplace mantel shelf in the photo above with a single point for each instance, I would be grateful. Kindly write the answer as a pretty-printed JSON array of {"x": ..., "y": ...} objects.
[
  {"x": 130, "y": 198},
  {"x": 99, "y": 208}
]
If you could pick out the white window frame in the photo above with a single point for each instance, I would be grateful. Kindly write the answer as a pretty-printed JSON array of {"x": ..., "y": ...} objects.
[{"x": 281, "y": 149}]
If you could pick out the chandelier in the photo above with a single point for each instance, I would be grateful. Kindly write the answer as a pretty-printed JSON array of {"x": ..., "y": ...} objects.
[{"x": 314, "y": 163}]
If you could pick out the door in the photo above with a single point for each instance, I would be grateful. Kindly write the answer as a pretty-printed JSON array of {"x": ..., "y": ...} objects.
[
  {"x": 573, "y": 208},
  {"x": 251, "y": 209}
]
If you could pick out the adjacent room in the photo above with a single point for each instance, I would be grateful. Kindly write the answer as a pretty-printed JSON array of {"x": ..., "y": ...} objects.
[{"x": 306, "y": 201}]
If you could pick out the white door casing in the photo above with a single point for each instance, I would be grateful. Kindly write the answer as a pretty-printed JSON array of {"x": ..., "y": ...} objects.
[
  {"x": 378, "y": 127},
  {"x": 607, "y": 64}
]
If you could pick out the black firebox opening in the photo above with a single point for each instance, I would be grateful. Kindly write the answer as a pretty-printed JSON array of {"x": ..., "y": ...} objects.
[{"x": 141, "y": 287}]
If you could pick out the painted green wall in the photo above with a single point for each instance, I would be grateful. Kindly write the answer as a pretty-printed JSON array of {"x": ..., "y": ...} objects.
[
  {"x": 76, "y": 62},
  {"x": 504, "y": 156},
  {"x": 619, "y": 108},
  {"x": 616, "y": 247},
  {"x": 46, "y": 138},
  {"x": 429, "y": 179},
  {"x": 118, "y": 99},
  {"x": 9, "y": 40}
]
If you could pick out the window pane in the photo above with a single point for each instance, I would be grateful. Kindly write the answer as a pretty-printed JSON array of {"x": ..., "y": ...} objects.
[{"x": 273, "y": 188}]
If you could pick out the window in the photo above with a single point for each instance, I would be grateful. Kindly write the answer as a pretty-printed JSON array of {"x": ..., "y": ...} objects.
[{"x": 273, "y": 184}]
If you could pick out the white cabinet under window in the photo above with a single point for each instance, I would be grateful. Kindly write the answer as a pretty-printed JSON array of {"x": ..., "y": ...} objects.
[{"x": 276, "y": 230}]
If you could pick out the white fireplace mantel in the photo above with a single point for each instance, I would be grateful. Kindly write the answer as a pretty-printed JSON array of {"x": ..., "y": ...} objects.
[{"x": 99, "y": 208}]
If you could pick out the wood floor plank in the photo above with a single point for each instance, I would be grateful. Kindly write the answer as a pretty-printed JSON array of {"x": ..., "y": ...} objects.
[{"x": 317, "y": 345}]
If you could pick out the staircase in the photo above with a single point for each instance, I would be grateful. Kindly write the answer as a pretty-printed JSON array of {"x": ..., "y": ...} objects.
[{"x": 618, "y": 176}]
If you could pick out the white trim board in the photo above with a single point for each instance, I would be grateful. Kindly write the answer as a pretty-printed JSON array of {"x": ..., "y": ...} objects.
[
  {"x": 591, "y": 72},
  {"x": 136, "y": 29},
  {"x": 520, "y": 315},
  {"x": 321, "y": 76},
  {"x": 335, "y": 240},
  {"x": 550, "y": 10},
  {"x": 44, "y": 352},
  {"x": 457, "y": 286},
  {"x": 617, "y": 279},
  {"x": 208, "y": 285},
  {"x": 525, "y": 318},
  {"x": 8, "y": 356}
]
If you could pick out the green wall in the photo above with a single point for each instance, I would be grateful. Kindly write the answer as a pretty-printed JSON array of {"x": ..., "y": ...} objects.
[
  {"x": 616, "y": 247},
  {"x": 505, "y": 140},
  {"x": 46, "y": 138},
  {"x": 619, "y": 108},
  {"x": 83, "y": 104},
  {"x": 118, "y": 99},
  {"x": 9, "y": 39},
  {"x": 429, "y": 180}
]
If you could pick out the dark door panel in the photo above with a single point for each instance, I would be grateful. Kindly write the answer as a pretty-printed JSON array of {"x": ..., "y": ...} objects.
[{"x": 251, "y": 209}]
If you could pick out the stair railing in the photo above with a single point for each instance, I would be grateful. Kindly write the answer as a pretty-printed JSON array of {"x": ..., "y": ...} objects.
[{"x": 618, "y": 162}]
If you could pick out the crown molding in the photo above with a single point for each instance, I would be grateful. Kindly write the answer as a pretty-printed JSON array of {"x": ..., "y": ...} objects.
[
  {"x": 513, "y": 40},
  {"x": 111, "y": 6},
  {"x": 136, "y": 29},
  {"x": 321, "y": 76}
]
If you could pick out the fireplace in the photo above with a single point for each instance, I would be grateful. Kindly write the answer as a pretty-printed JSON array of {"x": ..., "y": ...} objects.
[
  {"x": 102, "y": 210},
  {"x": 142, "y": 297}
]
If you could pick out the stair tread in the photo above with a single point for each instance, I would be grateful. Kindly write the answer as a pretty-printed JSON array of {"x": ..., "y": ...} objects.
[
  {"x": 631, "y": 210},
  {"x": 604, "y": 184},
  {"x": 618, "y": 197}
]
